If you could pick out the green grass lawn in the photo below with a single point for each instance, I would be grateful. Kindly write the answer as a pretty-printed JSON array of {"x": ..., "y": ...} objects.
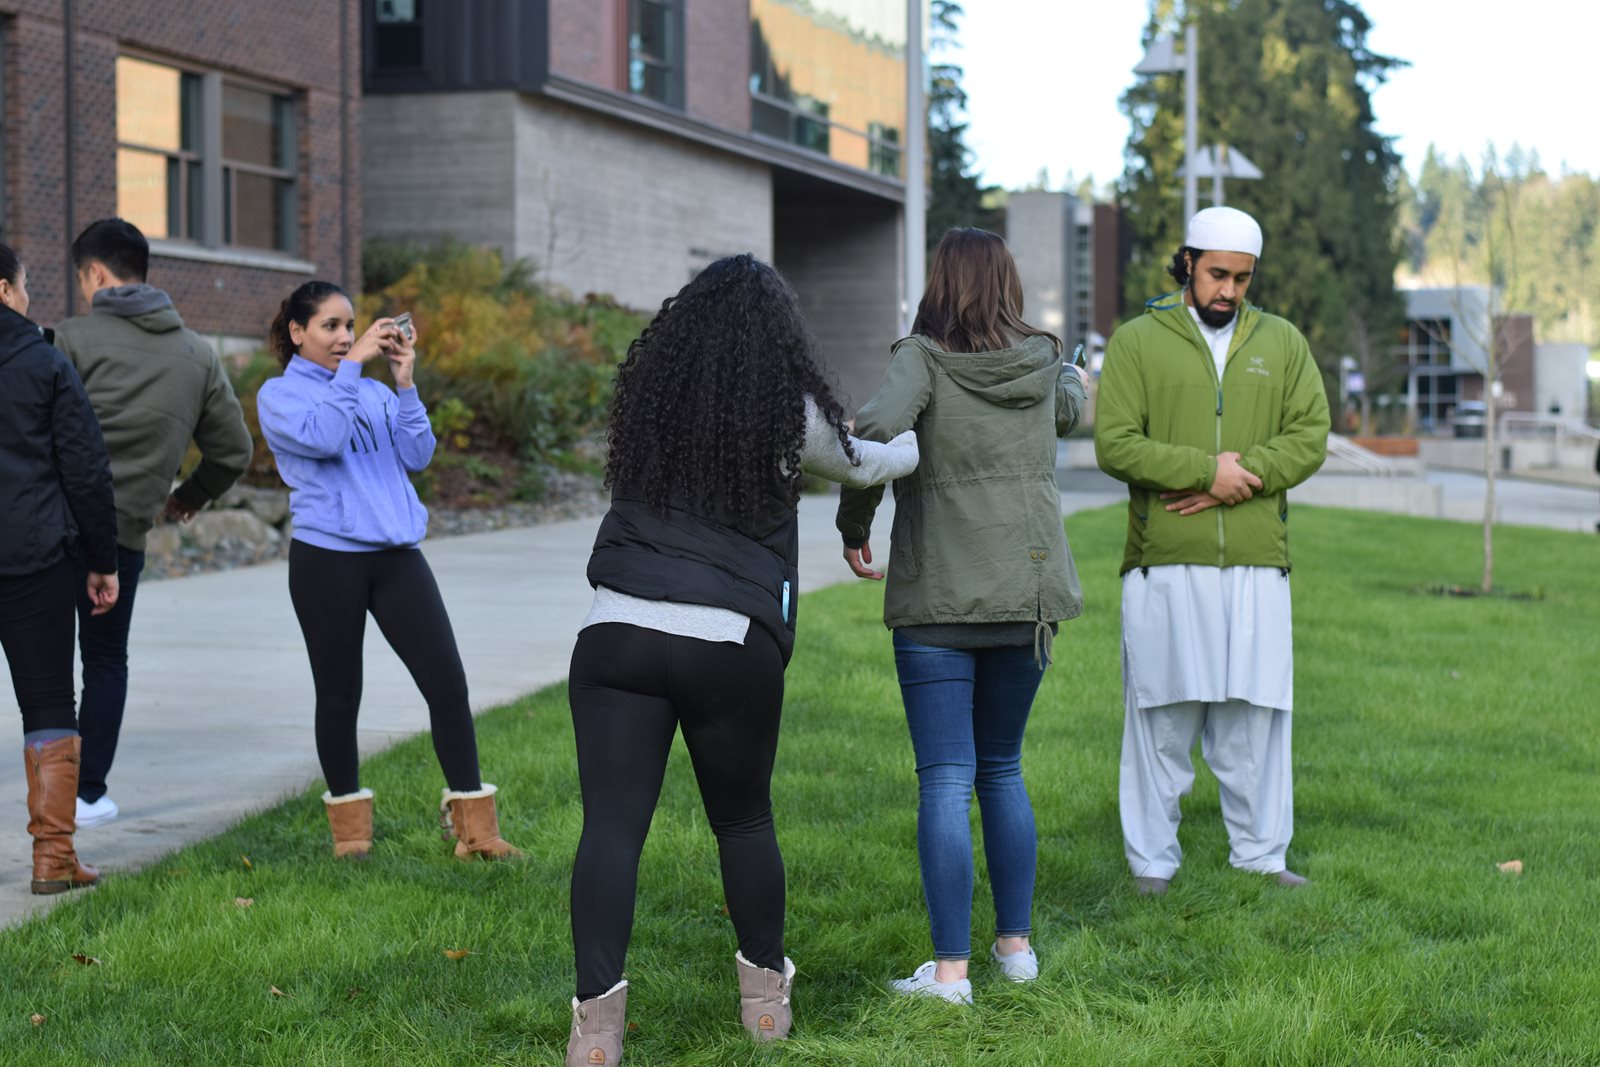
[{"x": 1434, "y": 738}]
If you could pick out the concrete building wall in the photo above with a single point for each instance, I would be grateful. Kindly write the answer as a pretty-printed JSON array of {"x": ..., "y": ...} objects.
[
  {"x": 1036, "y": 225},
  {"x": 843, "y": 258},
  {"x": 292, "y": 46},
  {"x": 441, "y": 165},
  {"x": 1561, "y": 379},
  {"x": 610, "y": 207}
]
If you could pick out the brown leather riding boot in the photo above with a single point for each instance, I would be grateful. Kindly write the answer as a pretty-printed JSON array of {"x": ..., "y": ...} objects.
[
  {"x": 52, "y": 814},
  {"x": 764, "y": 1006},
  {"x": 350, "y": 819},
  {"x": 470, "y": 819}
]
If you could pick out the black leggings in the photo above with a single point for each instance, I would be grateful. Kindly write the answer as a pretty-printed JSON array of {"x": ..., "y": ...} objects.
[
  {"x": 630, "y": 688},
  {"x": 332, "y": 593},
  {"x": 37, "y": 621}
]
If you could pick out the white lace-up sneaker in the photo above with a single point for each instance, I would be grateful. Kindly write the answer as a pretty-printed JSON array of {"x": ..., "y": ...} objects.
[
  {"x": 99, "y": 813},
  {"x": 922, "y": 984},
  {"x": 1018, "y": 966}
]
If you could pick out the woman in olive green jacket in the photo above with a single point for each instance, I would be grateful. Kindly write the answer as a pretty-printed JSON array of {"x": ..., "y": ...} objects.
[{"x": 980, "y": 576}]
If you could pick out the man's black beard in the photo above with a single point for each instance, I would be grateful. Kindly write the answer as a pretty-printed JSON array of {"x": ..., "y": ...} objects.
[{"x": 1216, "y": 319}]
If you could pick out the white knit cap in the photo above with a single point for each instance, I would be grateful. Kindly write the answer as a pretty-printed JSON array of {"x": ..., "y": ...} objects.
[{"x": 1224, "y": 229}]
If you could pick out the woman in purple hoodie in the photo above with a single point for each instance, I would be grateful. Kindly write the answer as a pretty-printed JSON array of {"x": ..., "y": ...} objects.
[{"x": 346, "y": 446}]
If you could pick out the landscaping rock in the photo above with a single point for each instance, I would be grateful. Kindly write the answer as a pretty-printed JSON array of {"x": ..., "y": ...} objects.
[
  {"x": 163, "y": 541},
  {"x": 271, "y": 506},
  {"x": 210, "y": 528}
]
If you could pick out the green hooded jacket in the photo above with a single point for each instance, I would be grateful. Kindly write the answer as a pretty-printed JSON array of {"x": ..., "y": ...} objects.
[
  {"x": 1162, "y": 418},
  {"x": 155, "y": 386},
  {"x": 977, "y": 532}
]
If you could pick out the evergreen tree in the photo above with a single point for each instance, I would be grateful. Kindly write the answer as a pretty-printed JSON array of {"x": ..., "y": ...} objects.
[
  {"x": 1287, "y": 83},
  {"x": 955, "y": 197}
]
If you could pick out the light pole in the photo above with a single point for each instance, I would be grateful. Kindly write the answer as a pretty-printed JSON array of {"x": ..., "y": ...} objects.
[
  {"x": 916, "y": 173},
  {"x": 1218, "y": 162},
  {"x": 1163, "y": 58}
]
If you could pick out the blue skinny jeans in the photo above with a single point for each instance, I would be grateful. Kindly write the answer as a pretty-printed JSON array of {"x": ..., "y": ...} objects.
[{"x": 967, "y": 709}]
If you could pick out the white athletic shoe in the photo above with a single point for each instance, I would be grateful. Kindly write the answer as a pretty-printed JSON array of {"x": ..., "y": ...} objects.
[
  {"x": 922, "y": 984},
  {"x": 1018, "y": 966},
  {"x": 99, "y": 813}
]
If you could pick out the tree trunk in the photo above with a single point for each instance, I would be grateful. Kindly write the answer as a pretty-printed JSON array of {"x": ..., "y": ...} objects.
[{"x": 1488, "y": 487}]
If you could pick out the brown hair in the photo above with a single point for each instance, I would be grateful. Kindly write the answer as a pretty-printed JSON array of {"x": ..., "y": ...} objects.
[{"x": 973, "y": 300}]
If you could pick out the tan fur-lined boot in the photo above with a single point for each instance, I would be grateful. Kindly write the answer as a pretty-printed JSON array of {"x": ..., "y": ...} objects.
[
  {"x": 598, "y": 1025},
  {"x": 350, "y": 819},
  {"x": 52, "y": 816},
  {"x": 764, "y": 999},
  {"x": 471, "y": 821}
]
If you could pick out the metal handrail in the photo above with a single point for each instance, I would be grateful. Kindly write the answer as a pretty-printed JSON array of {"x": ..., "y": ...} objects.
[
  {"x": 1544, "y": 426},
  {"x": 1368, "y": 461}
]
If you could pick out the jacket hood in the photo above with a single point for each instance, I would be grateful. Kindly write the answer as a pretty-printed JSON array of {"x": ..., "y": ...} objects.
[
  {"x": 17, "y": 333},
  {"x": 145, "y": 306},
  {"x": 1017, "y": 377}
]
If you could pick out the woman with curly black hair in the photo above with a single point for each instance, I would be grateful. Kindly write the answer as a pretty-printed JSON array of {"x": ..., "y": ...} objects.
[{"x": 720, "y": 407}]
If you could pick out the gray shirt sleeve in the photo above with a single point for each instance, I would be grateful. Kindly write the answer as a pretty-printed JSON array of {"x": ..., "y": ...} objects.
[{"x": 823, "y": 455}]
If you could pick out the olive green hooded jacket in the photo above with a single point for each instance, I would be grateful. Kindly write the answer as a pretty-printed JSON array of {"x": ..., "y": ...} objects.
[
  {"x": 977, "y": 534},
  {"x": 1162, "y": 417}
]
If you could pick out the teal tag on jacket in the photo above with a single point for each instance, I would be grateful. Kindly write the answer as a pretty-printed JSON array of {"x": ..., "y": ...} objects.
[{"x": 785, "y": 601}]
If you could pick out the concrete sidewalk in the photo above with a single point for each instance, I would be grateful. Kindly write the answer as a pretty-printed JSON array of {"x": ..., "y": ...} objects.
[{"x": 219, "y": 718}]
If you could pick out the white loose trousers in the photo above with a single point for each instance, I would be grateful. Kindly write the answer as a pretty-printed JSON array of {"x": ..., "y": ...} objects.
[{"x": 1207, "y": 656}]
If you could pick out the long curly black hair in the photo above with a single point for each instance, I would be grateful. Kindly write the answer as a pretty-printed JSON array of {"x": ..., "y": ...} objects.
[{"x": 709, "y": 405}]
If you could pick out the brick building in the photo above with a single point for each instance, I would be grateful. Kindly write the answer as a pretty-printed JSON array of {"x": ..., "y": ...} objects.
[
  {"x": 621, "y": 145},
  {"x": 227, "y": 130}
]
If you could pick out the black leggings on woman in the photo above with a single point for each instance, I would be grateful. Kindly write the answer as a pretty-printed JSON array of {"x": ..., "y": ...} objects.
[
  {"x": 37, "y": 618},
  {"x": 630, "y": 688},
  {"x": 332, "y": 593}
]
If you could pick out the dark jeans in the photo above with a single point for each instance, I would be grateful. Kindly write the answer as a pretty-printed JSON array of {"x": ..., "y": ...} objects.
[
  {"x": 36, "y": 632},
  {"x": 967, "y": 709},
  {"x": 630, "y": 689},
  {"x": 332, "y": 593},
  {"x": 103, "y": 644}
]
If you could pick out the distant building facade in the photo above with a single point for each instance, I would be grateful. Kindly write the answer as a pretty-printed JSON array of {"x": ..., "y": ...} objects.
[
  {"x": 622, "y": 146},
  {"x": 1070, "y": 254},
  {"x": 1444, "y": 349},
  {"x": 227, "y": 130}
]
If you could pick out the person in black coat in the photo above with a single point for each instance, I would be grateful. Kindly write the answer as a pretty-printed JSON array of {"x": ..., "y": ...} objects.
[{"x": 57, "y": 504}]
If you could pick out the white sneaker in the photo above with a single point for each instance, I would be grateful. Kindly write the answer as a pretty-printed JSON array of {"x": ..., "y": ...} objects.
[
  {"x": 99, "y": 813},
  {"x": 1018, "y": 966},
  {"x": 922, "y": 984}
]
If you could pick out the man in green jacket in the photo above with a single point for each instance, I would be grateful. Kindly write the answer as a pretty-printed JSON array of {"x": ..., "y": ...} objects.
[
  {"x": 155, "y": 386},
  {"x": 1210, "y": 411}
]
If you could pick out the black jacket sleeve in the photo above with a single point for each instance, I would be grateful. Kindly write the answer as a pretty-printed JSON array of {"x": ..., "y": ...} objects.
[{"x": 84, "y": 468}]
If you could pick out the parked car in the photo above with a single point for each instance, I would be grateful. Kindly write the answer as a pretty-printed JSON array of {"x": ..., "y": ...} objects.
[{"x": 1469, "y": 418}]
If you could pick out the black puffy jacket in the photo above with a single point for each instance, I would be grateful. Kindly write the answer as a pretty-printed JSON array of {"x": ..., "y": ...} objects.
[{"x": 55, "y": 479}]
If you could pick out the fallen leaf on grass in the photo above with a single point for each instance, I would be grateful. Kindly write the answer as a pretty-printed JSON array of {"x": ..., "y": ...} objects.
[
  {"x": 275, "y": 991},
  {"x": 36, "y": 1019},
  {"x": 353, "y": 992},
  {"x": 1510, "y": 867},
  {"x": 632, "y": 1027},
  {"x": 87, "y": 961},
  {"x": 457, "y": 953},
  {"x": 247, "y": 864},
  {"x": 243, "y": 902}
]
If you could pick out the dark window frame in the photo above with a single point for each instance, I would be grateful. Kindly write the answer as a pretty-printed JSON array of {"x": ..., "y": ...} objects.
[{"x": 669, "y": 65}]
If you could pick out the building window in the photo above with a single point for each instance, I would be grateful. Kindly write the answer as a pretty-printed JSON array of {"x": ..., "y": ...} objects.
[
  {"x": 204, "y": 159},
  {"x": 883, "y": 157},
  {"x": 397, "y": 37},
  {"x": 159, "y": 180},
  {"x": 654, "y": 46}
]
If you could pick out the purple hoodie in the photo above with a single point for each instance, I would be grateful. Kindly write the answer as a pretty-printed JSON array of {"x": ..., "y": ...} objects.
[{"x": 344, "y": 444}]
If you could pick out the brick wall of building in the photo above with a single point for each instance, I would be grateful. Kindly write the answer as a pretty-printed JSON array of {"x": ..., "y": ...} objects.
[
  {"x": 586, "y": 40},
  {"x": 716, "y": 42},
  {"x": 293, "y": 44}
]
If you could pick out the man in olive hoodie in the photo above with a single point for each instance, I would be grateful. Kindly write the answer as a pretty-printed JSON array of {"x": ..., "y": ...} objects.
[
  {"x": 155, "y": 386},
  {"x": 1210, "y": 411}
]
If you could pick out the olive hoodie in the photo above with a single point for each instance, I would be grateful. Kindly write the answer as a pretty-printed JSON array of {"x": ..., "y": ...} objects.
[
  {"x": 977, "y": 532},
  {"x": 1162, "y": 417},
  {"x": 155, "y": 386}
]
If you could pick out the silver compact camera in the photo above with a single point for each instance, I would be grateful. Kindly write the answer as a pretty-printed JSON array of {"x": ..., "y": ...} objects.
[{"x": 402, "y": 322}]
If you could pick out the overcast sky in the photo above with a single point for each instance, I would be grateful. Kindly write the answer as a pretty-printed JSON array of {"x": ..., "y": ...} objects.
[{"x": 1044, "y": 77}]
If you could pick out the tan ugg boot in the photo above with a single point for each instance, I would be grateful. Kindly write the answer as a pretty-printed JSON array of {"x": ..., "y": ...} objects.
[
  {"x": 764, "y": 999},
  {"x": 597, "y": 1028},
  {"x": 471, "y": 819},
  {"x": 52, "y": 814},
  {"x": 350, "y": 819}
]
